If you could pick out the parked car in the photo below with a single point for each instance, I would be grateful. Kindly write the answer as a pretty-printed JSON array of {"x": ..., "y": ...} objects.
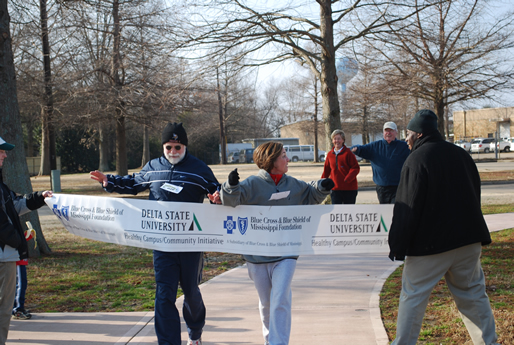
[
  {"x": 481, "y": 145},
  {"x": 466, "y": 145},
  {"x": 501, "y": 145},
  {"x": 246, "y": 156},
  {"x": 297, "y": 153},
  {"x": 233, "y": 157}
]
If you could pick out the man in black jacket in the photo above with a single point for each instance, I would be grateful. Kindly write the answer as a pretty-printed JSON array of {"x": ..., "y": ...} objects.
[
  {"x": 12, "y": 240},
  {"x": 438, "y": 229}
]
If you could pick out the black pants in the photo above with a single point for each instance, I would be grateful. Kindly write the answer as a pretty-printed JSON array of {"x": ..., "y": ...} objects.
[
  {"x": 170, "y": 269},
  {"x": 386, "y": 194},
  {"x": 343, "y": 196}
]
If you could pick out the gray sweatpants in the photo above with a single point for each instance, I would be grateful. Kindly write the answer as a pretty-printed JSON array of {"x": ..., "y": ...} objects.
[
  {"x": 273, "y": 284},
  {"x": 463, "y": 273}
]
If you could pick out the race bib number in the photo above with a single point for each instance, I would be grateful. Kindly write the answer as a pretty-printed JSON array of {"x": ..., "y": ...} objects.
[
  {"x": 279, "y": 195},
  {"x": 171, "y": 188}
]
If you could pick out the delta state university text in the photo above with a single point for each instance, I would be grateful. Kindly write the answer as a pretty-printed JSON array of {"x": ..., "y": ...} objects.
[
  {"x": 350, "y": 223},
  {"x": 166, "y": 220}
]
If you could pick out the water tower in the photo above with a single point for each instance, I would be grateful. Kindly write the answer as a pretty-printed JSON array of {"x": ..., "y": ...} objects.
[{"x": 346, "y": 69}]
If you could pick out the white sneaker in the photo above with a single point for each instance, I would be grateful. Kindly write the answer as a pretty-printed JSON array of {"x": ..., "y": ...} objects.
[{"x": 194, "y": 342}]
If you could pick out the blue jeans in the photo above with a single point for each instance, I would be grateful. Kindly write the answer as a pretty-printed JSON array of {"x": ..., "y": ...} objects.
[
  {"x": 170, "y": 270},
  {"x": 21, "y": 288}
]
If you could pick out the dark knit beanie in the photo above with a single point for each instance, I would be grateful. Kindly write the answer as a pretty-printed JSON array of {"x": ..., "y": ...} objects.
[
  {"x": 424, "y": 121},
  {"x": 174, "y": 132}
]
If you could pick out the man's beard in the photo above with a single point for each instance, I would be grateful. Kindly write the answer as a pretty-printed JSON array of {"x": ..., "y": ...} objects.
[{"x": 174, "y": 159}]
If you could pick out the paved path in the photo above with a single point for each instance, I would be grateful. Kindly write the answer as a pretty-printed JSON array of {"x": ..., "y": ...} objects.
[{"x": 335, "y": 300}]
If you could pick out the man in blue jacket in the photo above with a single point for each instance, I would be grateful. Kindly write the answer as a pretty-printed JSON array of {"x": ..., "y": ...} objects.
[
  {"x": 176, "y": 176},
  {"x": 387, "y": 157}
]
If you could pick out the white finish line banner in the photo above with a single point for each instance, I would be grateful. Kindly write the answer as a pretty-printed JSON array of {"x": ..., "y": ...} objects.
[{"x": 253, "y": 230}]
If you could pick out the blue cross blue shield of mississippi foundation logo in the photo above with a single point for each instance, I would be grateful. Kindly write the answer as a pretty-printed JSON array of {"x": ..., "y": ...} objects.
[
  {"x": 56, "y": 211},
  {"x": 63, "y": 212},
  {"x": 229, "y": 224},
  {"x": 243, "y": 224}
]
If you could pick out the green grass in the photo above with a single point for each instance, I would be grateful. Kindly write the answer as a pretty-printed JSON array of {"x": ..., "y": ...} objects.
[
  {"x": 442, "y": 323},
  {"x": 82, "y": 275}
]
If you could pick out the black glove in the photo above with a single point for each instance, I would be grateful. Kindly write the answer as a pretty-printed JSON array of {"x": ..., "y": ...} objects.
[
  {"x": 233, "y": 178},
  {"x": 328, "y": 184}
]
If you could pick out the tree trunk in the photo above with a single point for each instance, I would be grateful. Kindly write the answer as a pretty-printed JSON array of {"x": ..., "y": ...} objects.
[
  {"x": 30, "y": 138},
  {"x": 330, "y": 101},
  {"x": 121, "y": 142},
  {"x": 44, "y": 168},
  {"x": 365, "y": 126},
  {"x": 15, "y": 170},
  {"x": 222, "y": 122},
  {"x": 103, "y": 148},
  {"x": 49, "y": 99},
  {"x": 439, "y": 110},
  {"x": 146, "y": 146},
  {"x": 316, "y": 157},
  {"x": 121, "y": 145}
]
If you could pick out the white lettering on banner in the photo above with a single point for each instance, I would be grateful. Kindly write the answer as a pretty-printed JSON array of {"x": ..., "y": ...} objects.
[{"x": 253, "y": 230}]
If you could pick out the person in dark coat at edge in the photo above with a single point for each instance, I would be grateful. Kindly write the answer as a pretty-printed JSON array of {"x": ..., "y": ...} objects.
[
  {"x": 176, "y": 176},
  {"x": 12, "y": 239},
  {"x": 438, "y": 229}
]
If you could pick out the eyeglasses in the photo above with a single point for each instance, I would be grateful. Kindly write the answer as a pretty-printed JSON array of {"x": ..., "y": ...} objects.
[{"x": 176, "y": 147}]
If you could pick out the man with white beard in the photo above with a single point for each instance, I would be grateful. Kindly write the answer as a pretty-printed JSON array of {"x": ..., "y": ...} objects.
[{"x": 176, "y": 176}]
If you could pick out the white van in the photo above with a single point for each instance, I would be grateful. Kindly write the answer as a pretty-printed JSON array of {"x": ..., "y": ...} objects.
[{"x": 297, "y": 153}]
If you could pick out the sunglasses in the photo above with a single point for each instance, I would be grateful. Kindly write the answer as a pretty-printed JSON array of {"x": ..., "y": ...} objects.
[{"x": 176, "y": 147}]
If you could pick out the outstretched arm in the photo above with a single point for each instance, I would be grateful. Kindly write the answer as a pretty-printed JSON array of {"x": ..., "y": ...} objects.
[{"x": 99, "y": 176}]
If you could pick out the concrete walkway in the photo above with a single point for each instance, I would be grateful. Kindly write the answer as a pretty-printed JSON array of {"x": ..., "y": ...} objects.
[{"x": 335, "y": 301}]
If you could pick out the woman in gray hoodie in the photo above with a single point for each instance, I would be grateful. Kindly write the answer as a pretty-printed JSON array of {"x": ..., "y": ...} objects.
[{"x": 272, "y": 275}]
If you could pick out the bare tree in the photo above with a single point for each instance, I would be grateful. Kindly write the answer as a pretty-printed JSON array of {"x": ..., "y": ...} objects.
[
  {"x": 48, "y": 157},
  {"x": 366, "y": 100},
  {"x": 122, "y": 66},
  {"x": 227, "y": 77},
  {"x": 452, "y": 52},
  {"x": 270, "y": 115},
  {"x": 15, "y": 168},
  {"x": 26, "y": 13},
  {"x": 284, "y": 33}
]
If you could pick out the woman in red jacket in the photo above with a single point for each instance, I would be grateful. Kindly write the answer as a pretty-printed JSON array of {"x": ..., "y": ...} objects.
[{"x": 342, "y": 167}]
